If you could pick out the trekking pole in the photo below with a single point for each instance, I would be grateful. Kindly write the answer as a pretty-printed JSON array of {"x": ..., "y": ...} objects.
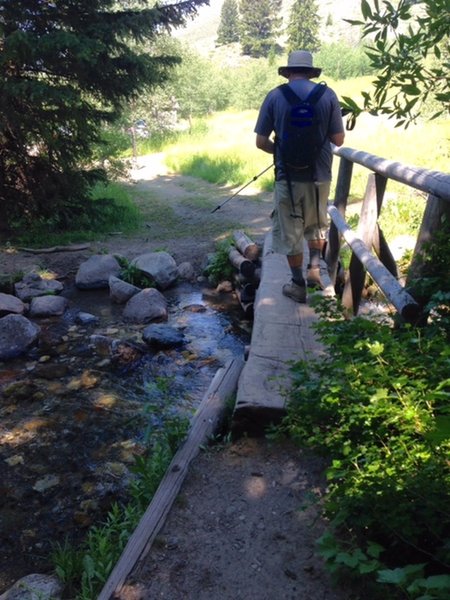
[{"x": 243, "y": 187}]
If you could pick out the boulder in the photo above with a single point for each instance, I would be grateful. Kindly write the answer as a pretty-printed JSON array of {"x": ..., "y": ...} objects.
[
  {"x": 32, "y": 285},
  {"x": 17, "y": 335},
  {"x": 162, "y": 336},
  {"x": 160, "y": 266},
  {"x": 84, "y": 318},
  {"x": 120, "y": 291},
  {"x": 35, "y": 587},
  {"x": 186, "y": 271},
  {"x": 48, "y": 306},
  {"x": 95, "y": 272},
  {"x": 10, "y": 304},
  {"x": 146, "y": 306}
]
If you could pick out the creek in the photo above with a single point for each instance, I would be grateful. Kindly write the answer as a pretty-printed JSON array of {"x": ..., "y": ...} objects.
[{"x": 73, "y": 415}]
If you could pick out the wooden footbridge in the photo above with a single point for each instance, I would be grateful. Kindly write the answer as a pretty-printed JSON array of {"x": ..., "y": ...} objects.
[{"x": 283, "y": 330}]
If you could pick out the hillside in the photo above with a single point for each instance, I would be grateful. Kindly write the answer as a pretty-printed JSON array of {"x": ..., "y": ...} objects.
[{"x": 201, "y": 32}]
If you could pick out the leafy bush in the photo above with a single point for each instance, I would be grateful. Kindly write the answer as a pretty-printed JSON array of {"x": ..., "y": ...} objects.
[
  {"x": 377, "y": 406},
  {"x": 219, "y": 267}
]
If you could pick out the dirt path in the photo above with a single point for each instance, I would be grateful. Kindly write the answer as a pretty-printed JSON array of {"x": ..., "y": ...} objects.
[
  {"x": 243, "y": 528},
  {"x": 176, "y": 216}
]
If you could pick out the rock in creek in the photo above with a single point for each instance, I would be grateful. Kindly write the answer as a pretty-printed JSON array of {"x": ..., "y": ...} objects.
[
  {"x": 48, "y": 306},
  {"x": 146, "y": 306},
  {"x": 33, "y": 587},
  {"x": 33, "y": 285},
  {"x": 121, "y": 291},
  {"x": 17, "y": 335},
  {"x": 162, "y": 336},
  {"x": 160, "y": 266},
  {"x": 95, "y": 272},
  {"x": 10, "y": 304}
]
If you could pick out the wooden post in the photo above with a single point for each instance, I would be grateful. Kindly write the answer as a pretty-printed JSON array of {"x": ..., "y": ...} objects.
[
  {"x": 204, "y": 424},
  {"x": 340, "y": 202},
  {"x": 354, "y": 285},
  {"x": 380, "y": 244},
  {"x": 398, "y": 296},
  {"x": 246, "y": 246},
  {"x": 436, "y": 210}
]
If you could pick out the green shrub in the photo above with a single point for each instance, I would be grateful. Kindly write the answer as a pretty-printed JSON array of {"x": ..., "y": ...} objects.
[
  {"x": 219, "y": 267},
  {"x": 377, "y": 406}
]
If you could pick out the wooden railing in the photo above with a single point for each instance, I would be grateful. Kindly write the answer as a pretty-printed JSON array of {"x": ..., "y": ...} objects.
[{"x": 381, "y": 264}]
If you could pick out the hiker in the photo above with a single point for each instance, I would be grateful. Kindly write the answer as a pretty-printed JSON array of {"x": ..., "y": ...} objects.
[{"x": 301, "y": 191}]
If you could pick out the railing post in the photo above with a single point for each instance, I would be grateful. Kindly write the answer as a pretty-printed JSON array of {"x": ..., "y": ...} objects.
[
  {"x": 436, "y": 210},
  {"x": 380, "y": 244},
  {"x": 340, "y": 202},
  {"x": 354, "y": 285}
]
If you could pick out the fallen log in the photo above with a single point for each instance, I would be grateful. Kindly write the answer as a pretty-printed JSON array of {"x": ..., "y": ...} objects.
[
  {"x": 248, "y": 292},
  {"x": 204, "y": 423},
  {"x": 247, "y": 306},
  {"x": 245, "y": 267},
  {"x": 71, "y": 248},
  {"x": 246, "y": 246}
]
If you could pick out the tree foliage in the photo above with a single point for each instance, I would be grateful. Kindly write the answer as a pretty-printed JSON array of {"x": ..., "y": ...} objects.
[
  {"x": 228, "y": 30},
  {"x": 408, "y": 45},
  {"x": 303, "y": 26},
  {"x": 66, "y": 67},
  {"x": 260, "y": 22}
]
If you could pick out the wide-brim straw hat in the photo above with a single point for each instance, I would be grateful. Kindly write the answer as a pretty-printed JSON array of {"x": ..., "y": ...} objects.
[{"x": 299, "y": 59}]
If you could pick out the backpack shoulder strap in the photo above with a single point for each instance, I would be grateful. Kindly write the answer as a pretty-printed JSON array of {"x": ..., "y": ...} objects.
[
  {"x": 317, "y": 92},
  {"x": 289, "y": 94},
  {"x": 314, "y": 95}
]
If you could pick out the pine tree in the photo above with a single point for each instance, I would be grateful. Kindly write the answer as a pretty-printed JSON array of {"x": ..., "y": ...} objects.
[
  {"x": 260, "y": 26},
  {"x": 228, "y": 30},
  {"x": 66, "y": 67},
  {"x": 303, "y": 27}
]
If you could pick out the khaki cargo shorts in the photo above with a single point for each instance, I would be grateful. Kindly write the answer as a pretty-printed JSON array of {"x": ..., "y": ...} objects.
[{"x": 310, "y": 207}]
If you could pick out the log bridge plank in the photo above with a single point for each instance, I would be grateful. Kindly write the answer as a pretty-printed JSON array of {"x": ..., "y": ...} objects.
[
  {"x": 204, "y": 423},
  {"x": 282, "y": 331}
]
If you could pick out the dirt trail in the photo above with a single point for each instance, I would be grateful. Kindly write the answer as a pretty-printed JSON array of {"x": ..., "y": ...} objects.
[{"x": 243, "y": 528}]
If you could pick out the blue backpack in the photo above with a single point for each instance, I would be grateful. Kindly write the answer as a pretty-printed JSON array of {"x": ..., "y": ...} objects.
[{"x": 300, "y": 144}]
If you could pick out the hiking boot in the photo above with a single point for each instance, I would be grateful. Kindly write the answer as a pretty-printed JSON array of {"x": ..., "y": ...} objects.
[
  {"x": 313, "y": 279},
  {"x": 295, "y": 292}
]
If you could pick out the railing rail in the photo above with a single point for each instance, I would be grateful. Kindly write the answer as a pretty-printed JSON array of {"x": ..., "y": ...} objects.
[{"x": 369, "y": 235}]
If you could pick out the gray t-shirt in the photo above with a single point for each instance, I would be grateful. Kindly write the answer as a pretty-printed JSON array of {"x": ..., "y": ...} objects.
[{"x": 328, "y": 110}]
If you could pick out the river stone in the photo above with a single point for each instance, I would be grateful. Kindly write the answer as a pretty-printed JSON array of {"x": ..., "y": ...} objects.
[
  {"x": 120, "y": 291},
  {"x": 85, "y": 318},
  {"x": 160, "y": 266},
  {"x": 146, "y": 306},
  {"x": 186, "y": 271},
  {"x": 35, "y": 587},
  {"x": 32, "y": 285},
  {"x": 17, "y": 334},
  {"x": 102, "y": 344},
  {"x": 95, "y": 272},
  {"x": 48, "y": 306},
  {"x": 162, "y": 336},
  {"x": 10, "y": 304}
]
